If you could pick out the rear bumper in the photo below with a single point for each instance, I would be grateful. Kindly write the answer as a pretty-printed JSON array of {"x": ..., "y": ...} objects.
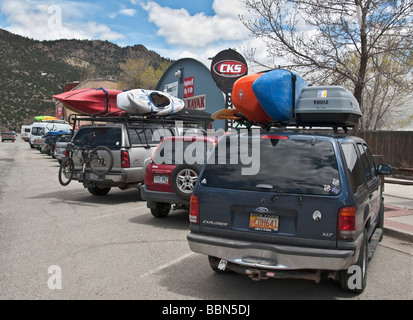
[
  {"x": 273, "y": 256},
  {"x": 159, "y": 196}
]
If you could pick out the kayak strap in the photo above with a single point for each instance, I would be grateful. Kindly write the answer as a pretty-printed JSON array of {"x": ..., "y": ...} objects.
[{"x": 107, "y": 98}]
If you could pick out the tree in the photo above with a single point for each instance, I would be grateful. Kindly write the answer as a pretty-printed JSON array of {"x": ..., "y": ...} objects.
[
  {"x": 140, "y": 73},
  {"x": 334, "y": 41}
]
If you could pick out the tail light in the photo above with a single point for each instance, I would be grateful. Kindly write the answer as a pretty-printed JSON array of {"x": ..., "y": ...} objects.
[
  {"x": 194, "y": 210},
  {"x": 124, "y": 158},
  {"x": 347, "y": 226}
]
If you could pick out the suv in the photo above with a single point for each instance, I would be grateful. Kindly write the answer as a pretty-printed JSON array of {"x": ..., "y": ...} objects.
[
  {"x": 132, "y": 144},
  {"x": 311, "y": 206},
  {"x": 8, "y": 136},
  {"x": 173, "y": 171}
]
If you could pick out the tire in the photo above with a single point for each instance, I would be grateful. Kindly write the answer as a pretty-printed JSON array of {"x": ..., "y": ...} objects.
[
  {"x": 161, "y": 210},
  {"x": 348, "y": 276},
  {"x": 66, "y": 171},
  {"x": 101, "y": 161},
  {"x": 96, "y": 191},
  {"x": 184, "y": 178}
]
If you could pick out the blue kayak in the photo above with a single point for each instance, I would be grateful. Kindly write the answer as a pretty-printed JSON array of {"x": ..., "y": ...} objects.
[{"x": 278, "y": 92}]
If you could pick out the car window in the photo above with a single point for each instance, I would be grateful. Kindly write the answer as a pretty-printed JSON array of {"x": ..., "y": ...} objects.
[
  {"x": 145, "y": 136},
  {"x": 368, "y": 161},
  {"x": 285, "y": 165},
  {"x": 354, "y": 166},
  {"x": 104, "y": 136},
  {"x": 37, "y": 131},
  {"x": 179, "y": 152}
]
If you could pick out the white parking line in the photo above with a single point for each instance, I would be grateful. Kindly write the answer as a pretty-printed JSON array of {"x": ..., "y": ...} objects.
[{"x": 167, "y": 265}]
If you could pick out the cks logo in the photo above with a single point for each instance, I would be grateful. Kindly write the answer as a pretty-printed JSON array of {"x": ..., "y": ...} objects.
[{"x": 230, "y": 68}]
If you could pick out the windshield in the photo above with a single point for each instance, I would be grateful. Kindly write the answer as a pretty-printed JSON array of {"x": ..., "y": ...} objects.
[{"x": 305, "y": 166}]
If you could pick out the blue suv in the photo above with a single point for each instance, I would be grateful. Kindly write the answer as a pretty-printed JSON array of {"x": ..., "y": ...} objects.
[{"x": 307, "y": 205}]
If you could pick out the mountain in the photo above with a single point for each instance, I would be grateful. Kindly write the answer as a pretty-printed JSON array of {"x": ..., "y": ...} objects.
[{"x": 32, "y": 71}]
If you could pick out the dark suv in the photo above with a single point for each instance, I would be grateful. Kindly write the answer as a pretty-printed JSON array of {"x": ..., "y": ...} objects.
[{"x": 308, "y": 206}]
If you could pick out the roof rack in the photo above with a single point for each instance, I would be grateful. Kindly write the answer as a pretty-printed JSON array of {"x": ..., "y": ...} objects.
[{"x": 189, "y": 117}]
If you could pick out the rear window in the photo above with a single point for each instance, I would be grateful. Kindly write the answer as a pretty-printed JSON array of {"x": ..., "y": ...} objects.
[
  {"x": 38, "y": 131},
  {"x": 104, "y": 136},
  {"x": 306, "y": 166},
  {"x": 179, "y": 152}
]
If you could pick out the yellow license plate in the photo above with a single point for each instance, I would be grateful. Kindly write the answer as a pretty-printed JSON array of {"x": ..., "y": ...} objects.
[{"x": 263, "y": 222}]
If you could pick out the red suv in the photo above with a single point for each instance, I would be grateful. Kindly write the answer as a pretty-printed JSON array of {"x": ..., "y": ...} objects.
[{"x": 171, "y": 175}]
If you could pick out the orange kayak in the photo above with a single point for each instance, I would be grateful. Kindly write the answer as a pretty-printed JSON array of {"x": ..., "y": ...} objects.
[{"x": 245, "y": 101}]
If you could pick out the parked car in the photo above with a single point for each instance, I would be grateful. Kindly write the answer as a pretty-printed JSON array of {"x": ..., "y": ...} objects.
[
  {"x": 314, "y": 209},
  {"x": 173, "y": 171},
  {"x": 60, "y": 147},
  {"x": 8, "y": 136},
  {"x": 132, "y": 144}
]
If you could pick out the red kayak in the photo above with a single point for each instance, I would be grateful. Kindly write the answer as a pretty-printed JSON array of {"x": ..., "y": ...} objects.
[
  {"x": 90, "y": 101},
  {"x": 246, "y": 102}
]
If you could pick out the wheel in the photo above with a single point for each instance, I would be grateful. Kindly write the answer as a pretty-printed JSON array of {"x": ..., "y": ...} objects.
[
  {"x": 101, "y": 160},
  {"x": 214, "y": 262},
  {"x": 97, "y": 191},
  {"x": 161, "y": 210},
  {"x": 184, "y": 178},
  {"x": 66, "y": 171},
  {"x": 354, "y": 279}
]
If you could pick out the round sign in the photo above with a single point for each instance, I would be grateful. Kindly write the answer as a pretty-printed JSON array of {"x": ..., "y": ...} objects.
[{"x": 226, "y": 68}]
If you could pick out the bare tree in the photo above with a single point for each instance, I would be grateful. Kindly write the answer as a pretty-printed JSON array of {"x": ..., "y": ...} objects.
[{"x": 333, "y": 40}]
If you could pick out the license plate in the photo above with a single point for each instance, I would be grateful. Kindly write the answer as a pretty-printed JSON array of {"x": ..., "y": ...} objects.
[
  {"x": 263, "y": 222},
  {"x": 163, "y": 179}
]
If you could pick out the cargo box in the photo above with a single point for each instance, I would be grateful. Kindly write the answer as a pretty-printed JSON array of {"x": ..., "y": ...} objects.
[{"x": 327, "y": 106}]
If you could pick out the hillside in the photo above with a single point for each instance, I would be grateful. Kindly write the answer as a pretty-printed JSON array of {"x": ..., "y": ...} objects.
[{"x": 32, "y": 71}]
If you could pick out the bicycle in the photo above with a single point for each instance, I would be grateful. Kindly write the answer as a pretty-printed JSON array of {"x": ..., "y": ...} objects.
[{"x": 99, "y": 160}]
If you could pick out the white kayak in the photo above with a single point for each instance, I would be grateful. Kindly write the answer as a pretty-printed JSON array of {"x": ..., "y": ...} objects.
[{"x": 142, "y": 101}]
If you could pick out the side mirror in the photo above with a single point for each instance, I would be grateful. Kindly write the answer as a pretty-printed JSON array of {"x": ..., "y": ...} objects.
[{"x": 384, "y": 169}]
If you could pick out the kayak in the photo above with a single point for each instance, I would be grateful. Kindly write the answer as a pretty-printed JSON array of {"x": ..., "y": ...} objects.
[
  {"x": 226, "y": 114},
  {"x": 245, "y": 101},
  {"x": 90, "y": 101},
  {"x": 142, "y": 101},
  {"x": 278, "y": 91},
  {"x": 45, "y": 118}
]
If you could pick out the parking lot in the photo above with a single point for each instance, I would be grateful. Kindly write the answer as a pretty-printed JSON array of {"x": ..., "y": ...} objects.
[{"x": 111, "y": 247}]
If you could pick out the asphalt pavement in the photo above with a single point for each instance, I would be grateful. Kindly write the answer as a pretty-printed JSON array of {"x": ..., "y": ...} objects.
[{"x": 398, "y": 208}]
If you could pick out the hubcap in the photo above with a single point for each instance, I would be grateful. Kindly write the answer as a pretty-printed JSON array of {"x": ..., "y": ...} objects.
[{"x": 186, "y": 179}]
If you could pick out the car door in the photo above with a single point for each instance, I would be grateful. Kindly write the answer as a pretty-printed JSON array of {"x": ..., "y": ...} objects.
[{"x": 372, "y": 179}]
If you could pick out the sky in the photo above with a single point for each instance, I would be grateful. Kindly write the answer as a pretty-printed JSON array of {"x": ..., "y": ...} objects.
[{"x": 173, "y": 28}]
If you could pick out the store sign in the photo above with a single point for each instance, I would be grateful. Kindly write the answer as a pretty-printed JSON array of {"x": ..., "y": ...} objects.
[
  {"x": 59, "y": 111},
  {"x": 188, "y": 87},
  {"x": 172, "y": 88},
  {"x": 197, "y": 103},
  {"x": 230, "y": 69},
  {"x": 226, "y": 68}
]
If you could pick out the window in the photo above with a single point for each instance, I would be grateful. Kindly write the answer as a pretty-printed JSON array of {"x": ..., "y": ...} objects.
[
  {"x": 105, "y": 136},
  {"x": 302, "y": 166},
  {"x": 146, "y": 136},
  {"x": 367, "y": 161},
  {"x": 354, "y": 166}
]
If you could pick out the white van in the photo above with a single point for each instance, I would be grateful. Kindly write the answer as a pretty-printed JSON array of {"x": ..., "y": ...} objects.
[
  {"x": 25, "y": 133},
  {"x": 39, "y": 129}
]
